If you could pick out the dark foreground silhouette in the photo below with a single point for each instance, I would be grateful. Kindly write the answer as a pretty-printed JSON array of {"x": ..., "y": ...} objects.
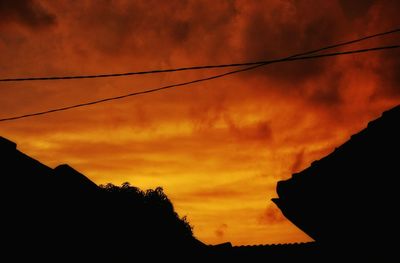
[
  {"x": 47, "y": 212},
  {"x": 349, "y": 199},
  {"x": 346, "y": 201},
  {"x": 59, "y": 214}
]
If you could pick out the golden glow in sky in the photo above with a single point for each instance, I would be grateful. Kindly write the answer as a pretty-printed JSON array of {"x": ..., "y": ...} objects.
[{"x": 217, "y": 148}]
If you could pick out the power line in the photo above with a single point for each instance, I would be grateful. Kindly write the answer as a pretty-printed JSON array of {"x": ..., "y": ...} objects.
[
  {"x": 291, "y": 58},
  {"x": 191, "y": 68}
]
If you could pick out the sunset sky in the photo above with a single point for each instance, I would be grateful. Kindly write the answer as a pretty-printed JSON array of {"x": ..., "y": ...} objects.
[{"x": 218, "y": 147}]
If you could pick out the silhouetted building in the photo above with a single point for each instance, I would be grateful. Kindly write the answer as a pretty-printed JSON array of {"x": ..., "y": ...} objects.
[
  {"x": 348, "y": 199},
  {"x": 60, "y": 214}
]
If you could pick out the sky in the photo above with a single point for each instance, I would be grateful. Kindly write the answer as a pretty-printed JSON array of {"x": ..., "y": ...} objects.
[{"x": 217, "y": 148}]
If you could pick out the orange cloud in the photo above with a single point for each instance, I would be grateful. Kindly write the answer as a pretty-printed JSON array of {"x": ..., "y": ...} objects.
[
  {"x": 220, "y": 231},
  {"x": 272, "y": 215}
]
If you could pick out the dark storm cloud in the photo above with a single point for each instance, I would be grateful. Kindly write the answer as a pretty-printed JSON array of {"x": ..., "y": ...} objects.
[
  {"x": 389, "y": 75},
  {"x": 326, "y": 93},
  {"x": 385, "y": 14},
  {"x": 354, "y": 9},
  {"x": 28, "y": 13},
  {"x": 283, "y": 28},
  {"x": 156, "y": 28}
]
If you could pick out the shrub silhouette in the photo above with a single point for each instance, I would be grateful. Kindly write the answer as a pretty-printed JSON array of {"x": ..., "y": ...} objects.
[{"x": 155, "y": 209}]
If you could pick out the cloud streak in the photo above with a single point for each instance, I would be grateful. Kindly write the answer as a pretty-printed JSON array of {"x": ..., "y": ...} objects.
[{"x": 27, "y": 13}]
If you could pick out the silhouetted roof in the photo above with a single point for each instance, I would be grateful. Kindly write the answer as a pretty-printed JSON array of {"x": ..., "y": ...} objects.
[
  {"x": 286, "y": 252},
  {"x": 74, "y": 179},
  {"x": 6, "y": 144},
  {"x": 20, "y": 169},
  {"x": 349, "y": 195}
]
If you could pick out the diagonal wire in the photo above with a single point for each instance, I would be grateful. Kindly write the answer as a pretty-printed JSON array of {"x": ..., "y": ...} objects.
[
  {"x": 291, "y": 58},
  {"x": 195, "y": 67}
]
